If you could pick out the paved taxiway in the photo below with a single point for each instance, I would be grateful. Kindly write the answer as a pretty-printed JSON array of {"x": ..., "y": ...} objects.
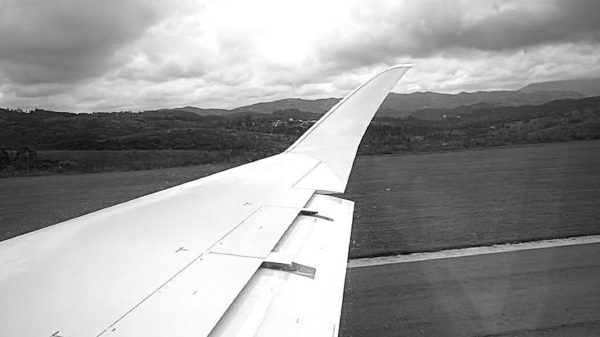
[{"x": 553, "y": 291}]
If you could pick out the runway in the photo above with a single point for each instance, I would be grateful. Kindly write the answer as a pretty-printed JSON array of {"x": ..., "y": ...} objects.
[{"x": 544, "y": 291}]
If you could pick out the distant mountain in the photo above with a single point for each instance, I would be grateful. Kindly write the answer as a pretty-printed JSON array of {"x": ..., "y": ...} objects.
[
  {"x": 419, "y": 104},
  {"x": 486, "y": 112},
  {"x": 399, "y": 105},
  {"x": 586, "y": 87},
  {"x": 187, "y": 111},
  {"x": 405, "y": 104},
  {"x": 315, "y": 106},
  {"x": 204, "y": 112},
  {"x": 572, "y": 109}
]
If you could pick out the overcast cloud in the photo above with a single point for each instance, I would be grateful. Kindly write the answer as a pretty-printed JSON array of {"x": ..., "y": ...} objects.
[{"x": 88, "y": 55}]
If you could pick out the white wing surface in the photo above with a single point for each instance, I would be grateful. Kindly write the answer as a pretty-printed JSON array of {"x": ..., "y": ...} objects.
[{"x": 258, "y": 250}]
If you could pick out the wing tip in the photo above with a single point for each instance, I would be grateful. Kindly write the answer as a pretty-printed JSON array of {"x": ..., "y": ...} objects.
[
  {"x": 335, "y": 137},
  {"x": 400, "y": 65}
]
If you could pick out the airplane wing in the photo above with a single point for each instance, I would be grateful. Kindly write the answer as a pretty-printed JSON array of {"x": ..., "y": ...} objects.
[{"x": 257, "y": 250}]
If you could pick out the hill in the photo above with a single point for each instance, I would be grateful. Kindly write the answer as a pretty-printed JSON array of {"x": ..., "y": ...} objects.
[
  {"x": 190, "y": 110},
  {"x": 395, "y": 105},
  {"x": 399, "y": 105},
  {"x": 421, "y": 105},
  {"x": 46, "y": 141},
  {"x": 319, "y": 106},
  {"x": 408, "y": 104},
  {"x": 586, "y": 87}
]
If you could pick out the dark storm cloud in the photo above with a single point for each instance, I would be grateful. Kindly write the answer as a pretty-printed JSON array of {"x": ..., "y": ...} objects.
[
  {"x": 424, "y": 28},
  {"x": 564, "y": 21},
  {"x": 66, "y": 40},
  {"x": 102, "y": 55}
]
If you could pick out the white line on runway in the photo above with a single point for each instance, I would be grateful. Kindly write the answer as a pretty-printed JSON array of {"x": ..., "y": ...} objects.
[{"x": 450, "y": 253}]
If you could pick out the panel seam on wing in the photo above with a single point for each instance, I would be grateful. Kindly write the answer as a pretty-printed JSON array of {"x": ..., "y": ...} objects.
[
  {"x": 318, "y": 187},
  {"x": 176, "y": 274}
]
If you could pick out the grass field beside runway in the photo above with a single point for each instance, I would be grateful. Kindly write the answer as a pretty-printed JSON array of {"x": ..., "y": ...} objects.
[
  {"x": 404, "y": 203},
  {"x": 30, "y": 203},
  {"x": 438, "y": 201}
]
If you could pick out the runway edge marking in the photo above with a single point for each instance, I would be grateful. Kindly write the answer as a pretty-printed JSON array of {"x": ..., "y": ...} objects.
[{"x": 471, "y": 251}]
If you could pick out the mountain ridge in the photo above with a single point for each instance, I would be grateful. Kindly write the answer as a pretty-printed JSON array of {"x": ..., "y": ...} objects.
[
  {"x": 425, "y": 105},
  {"x": 401, "y": 105},
  {"x": 588, "y": 87},
  {"x": 398, "y": 105}
]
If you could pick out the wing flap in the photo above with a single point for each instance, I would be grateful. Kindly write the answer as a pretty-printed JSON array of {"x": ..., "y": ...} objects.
[
  {"x": 258, "y": 234},
  {"x": 281, "y": 302},
  {"x": 193, "y": 301}
]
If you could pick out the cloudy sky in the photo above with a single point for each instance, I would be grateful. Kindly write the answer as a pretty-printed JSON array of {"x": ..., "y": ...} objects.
[{"x": 112, "y": 55}]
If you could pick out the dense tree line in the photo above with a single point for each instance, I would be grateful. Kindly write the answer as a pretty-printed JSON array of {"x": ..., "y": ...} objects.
[{"x": 246, "y": 136}]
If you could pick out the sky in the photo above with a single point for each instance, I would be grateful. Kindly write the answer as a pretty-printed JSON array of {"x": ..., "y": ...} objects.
[{"x": 132, "y": 55}]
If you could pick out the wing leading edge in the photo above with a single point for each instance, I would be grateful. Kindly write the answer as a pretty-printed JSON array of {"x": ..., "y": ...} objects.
[{"x": 255, "y": 250}]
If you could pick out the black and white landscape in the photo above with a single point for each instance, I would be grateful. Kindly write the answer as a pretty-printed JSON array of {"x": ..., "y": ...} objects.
[{"x": 476, "y": 185}]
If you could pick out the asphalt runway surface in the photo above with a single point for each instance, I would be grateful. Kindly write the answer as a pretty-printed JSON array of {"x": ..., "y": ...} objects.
[{"x": 538, "y": 292}]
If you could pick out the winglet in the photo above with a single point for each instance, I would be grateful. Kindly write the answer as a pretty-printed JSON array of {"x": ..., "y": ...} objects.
[{"x": 334, "y": 139}]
